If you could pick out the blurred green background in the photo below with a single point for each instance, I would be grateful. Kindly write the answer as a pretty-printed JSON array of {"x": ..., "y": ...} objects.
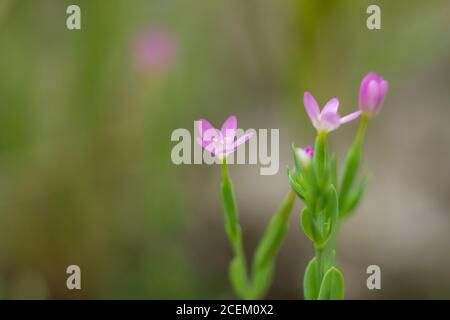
[{"x": 86, "y": 176}]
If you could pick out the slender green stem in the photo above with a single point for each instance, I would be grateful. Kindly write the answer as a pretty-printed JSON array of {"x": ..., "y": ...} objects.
[
  {"x": 238, "y": 266},
  {"x": 320, "y": 157},
  {"x": 320, "y": 263},
  {"x": 361, "y": 130}
]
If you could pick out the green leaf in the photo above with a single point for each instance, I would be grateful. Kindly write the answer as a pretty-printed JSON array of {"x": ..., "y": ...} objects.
[
  {"x": 309, "y": 227},
  {"x": 262, "y": 280},
  {"x": 333, "y": 211},
  {"x": 293, "y": 181},
  {"x": 352, "y": 162},
  {"x": 238, "y": 276},
  {"x": 263, "y": 261},
  {"x": 274, "y": 234},
  {"x": 351, "y": 167},
  {"x": 332, "y": 287},
  {"x": 354, "y": 198},
  {"x": 311, "y": 283}
]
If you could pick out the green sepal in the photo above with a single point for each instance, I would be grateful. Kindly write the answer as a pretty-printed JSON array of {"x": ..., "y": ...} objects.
[{"x": 332, "y": 287}]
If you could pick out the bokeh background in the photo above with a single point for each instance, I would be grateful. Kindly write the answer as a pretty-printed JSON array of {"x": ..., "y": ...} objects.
[{"x": 86, "y": 117}]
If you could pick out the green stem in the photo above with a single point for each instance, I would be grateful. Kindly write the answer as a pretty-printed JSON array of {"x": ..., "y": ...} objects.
[
  {"x": 361, "y": 130},
  {"x": 238, "y": 267},
  {"x": 319, "y": 259},
  {"x": 320, "y": 156}
]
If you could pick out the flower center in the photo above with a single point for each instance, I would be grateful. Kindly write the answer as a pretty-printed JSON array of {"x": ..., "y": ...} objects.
[{"x": 222, "y": 141}]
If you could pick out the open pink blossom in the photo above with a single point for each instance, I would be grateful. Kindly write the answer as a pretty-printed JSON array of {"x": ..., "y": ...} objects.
[
  {"x": 221, "y": 142},
  {"x": 371, "y": 93},
  {"x": 328, "y": 119}
]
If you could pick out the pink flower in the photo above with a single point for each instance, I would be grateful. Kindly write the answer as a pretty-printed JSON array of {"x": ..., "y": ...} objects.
[
  {"x": 328, "y": 119},
  {"x": 221, "y": 143},
  {"x": 155, "y": 50},
  {"x": 371, "y": 93}
]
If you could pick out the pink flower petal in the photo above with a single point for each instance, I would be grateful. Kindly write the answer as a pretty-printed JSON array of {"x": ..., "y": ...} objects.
[
  {"x": 331, "y": 106},
  {"x": 371, "y": 76},
  {"x": 207, "y": 145},
  {"x": 383, "y": 90},
  {"x": 329, "y": 121},
  {"x": 373, "y": 94},
  {"x": 350, "y": 117},
  {"x": 312, "y": 108},
  {"x": 203, "y": 126},
  {"x": 228, "y": 129},
  {"x": 207, "y": 135},
  {"x": 243, "y": 138}
]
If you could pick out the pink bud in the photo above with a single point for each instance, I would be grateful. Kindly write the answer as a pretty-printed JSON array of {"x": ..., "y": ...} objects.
[
  {"x": 309, "y": 150},
  {"x": 305, "y": 155},
  {"x": 371, "y": 93}
]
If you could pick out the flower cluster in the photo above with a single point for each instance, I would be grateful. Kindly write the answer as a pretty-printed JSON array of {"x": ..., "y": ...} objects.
[{"x": 328, "y": 196}]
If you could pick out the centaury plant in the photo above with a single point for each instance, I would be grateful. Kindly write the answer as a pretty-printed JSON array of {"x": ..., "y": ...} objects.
[
  {"x": 328, "y": 197},
  {"x": 247, "y": 283}
]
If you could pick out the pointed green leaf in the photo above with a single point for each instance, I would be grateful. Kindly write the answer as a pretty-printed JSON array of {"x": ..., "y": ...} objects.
[
  {"x": 352, "y": 162},
  {"x": 332, "y": 287},
  {"x": 311, "y": 283},
  {"x": 308, "y": 225},
  {"x": 238, "y": 276},
  {"x": 274, "y": 234},
  {"x": 261, "y": 280},
  {"x": 354, "y": 197},
  {"x": 333, "y": 211},
  {"x": 263, "y": 260},
  {"x": 293, "y": 181}
]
